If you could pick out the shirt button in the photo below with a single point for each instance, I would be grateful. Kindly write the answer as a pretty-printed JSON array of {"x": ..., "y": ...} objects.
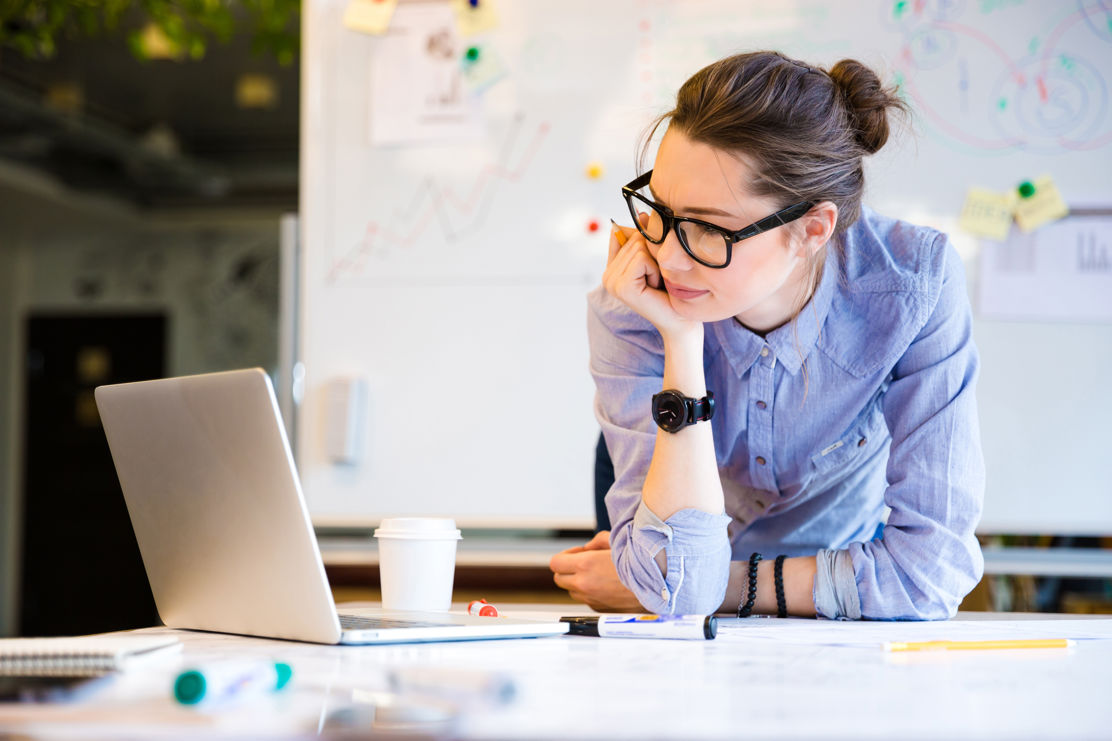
[
  {"x": 761, "y": 405},
  {"x": 664, "y": 592},
  {"x": 861, "y": 443},
  {"x": 761, "y": 461},
  {"x": 764, "y": 352}
]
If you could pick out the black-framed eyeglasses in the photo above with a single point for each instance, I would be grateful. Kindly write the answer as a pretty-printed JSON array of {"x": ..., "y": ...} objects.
[{"x": 706, "y": 243}]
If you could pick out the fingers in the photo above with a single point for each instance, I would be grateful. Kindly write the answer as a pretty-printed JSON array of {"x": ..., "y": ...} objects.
[
  {"x": 566, "y": 562},
  {"x": 625, "y": 276},
  {"x": 600, "y": 542},
  {"x": 563, "y": 581}
]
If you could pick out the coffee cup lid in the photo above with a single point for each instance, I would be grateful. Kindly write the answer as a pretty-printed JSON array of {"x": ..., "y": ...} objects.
[{"x": 418, "y": 528}]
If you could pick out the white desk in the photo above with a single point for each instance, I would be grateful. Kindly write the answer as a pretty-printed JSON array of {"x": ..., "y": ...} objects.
[{"x": 761, "y": 678}]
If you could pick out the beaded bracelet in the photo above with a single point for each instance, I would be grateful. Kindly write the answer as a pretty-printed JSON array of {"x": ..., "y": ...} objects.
[
  {"x": 778, "y": 575},
  {"x": 744, "y": 609}
]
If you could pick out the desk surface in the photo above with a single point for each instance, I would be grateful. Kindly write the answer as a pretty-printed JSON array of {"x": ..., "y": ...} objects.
[{"x": 761, "y": 678}]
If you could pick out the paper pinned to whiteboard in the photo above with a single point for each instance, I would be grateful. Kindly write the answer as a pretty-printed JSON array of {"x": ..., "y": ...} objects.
[
  {"x": 418, "y": 94},
  {"x": 1061, "y": 272}
]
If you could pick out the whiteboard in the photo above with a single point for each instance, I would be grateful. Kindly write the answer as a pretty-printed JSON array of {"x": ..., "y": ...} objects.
[{"x": 450, "y": 272}]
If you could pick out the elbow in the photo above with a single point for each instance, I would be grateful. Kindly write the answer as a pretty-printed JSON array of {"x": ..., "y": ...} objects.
[
  {"x": 943, "y": 604},
  {"x": 699, "y": 587},
  {"x": 699, "y": 603},
  {"x": 937, "y": 608},
  {"x": 931, "y": 587},
  {"x": 688, "y": 586}
]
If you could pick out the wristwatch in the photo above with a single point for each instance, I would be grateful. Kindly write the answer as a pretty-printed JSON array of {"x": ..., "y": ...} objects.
[{"x": 672, "y": 411}]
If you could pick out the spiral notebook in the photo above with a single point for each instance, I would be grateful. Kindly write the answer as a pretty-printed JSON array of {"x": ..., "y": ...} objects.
[{"x": 82, "y": 656}]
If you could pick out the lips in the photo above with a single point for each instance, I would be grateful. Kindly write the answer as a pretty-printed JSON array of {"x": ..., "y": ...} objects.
[{"x": 683, "y": 292}]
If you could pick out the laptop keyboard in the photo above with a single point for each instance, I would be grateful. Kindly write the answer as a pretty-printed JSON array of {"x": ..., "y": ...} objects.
[{"x": 359, "y": 622}]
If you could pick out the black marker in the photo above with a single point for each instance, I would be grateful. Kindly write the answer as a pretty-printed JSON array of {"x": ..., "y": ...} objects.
[{"x": 689, "y": 627}]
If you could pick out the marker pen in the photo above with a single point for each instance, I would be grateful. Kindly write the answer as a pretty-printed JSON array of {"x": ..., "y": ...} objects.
[
  {"x": 227, "y": 681},
  {"x": 692, "y": 627},
  {"x": 460, "y": 685}
]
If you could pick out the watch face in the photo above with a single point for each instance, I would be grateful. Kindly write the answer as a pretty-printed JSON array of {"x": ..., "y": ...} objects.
[{"x": 669, "y": 411}]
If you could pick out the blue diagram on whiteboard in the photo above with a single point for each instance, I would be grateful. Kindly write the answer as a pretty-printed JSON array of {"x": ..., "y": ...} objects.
[{"x": 1039, "y": 86}]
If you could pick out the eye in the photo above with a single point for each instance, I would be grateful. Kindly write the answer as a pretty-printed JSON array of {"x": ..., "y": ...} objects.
[{"x": 699, "y": 230}]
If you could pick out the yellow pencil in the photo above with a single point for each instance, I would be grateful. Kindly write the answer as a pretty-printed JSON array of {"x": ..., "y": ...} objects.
[
  {"x": 977, "y": 645},
  {"x": 622, "y": 238}
]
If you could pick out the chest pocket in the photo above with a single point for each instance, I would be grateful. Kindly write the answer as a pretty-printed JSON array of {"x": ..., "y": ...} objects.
[{"x": 867, "y": 433}]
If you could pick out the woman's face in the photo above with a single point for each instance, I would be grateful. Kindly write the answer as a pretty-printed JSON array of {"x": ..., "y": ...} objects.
[{"x": 763, "y": 284}]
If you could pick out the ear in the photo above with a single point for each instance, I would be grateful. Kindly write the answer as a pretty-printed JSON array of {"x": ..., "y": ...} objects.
[{"x": 817, "y": 226}]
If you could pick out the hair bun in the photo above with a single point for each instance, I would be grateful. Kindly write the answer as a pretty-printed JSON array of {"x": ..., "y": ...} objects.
[{"x": 867, "y": 102}]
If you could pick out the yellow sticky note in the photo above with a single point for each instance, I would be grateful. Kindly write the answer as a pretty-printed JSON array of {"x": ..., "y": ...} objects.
[
  {"x": 475, "y": 17},
  {"x": 369, "y": 16},
  {"x": 987, "y": 213},
  {"x": 1042, "y": 207},
  {"x": 482, "y": 67}
]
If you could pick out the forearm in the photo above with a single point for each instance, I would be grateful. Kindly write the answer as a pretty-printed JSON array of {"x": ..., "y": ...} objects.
[
  {"x": 684, "y": 472},
  {"x": 799, "y": 584}
]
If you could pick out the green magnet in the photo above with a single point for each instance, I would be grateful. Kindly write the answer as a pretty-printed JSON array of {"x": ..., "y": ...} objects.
[
  {"x": 472, "y": 53},
  {"x": 1026, "y": 189}
]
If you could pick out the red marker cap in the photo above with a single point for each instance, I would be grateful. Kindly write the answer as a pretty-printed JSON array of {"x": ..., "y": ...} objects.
[{"x": 482, "y": 608}]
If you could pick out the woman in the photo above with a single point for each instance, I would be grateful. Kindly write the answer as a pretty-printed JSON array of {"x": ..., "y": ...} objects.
[{"x": 836, "y": 345}]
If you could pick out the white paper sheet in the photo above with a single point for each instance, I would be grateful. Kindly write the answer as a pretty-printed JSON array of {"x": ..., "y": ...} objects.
[
  {"x": 875, "y": 633},
  {"x": 418, "y": 94},
  {"x": 1059, "y": 272}
]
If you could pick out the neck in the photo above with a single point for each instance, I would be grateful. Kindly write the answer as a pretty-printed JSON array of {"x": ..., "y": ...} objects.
[{"x": 783, "y": 305}]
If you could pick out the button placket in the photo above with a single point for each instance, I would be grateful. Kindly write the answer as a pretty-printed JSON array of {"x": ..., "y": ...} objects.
[{"x": 760, "y": 428}]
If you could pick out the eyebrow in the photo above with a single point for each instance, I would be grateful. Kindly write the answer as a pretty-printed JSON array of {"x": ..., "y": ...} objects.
[{"x": 697, "y": 210}]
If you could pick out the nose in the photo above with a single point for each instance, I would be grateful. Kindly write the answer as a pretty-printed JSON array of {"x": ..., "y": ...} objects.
[{"x": 670, "y": 255}]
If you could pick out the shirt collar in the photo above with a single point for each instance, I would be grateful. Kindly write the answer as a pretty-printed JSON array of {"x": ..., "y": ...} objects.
[{"x": 791, "y": 343}]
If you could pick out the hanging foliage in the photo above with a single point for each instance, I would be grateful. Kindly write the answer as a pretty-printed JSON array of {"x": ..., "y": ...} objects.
[{"x": 179, "y": 28}]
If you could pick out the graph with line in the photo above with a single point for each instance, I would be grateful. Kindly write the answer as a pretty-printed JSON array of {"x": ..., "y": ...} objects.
[{"x": 450, "y": 214}]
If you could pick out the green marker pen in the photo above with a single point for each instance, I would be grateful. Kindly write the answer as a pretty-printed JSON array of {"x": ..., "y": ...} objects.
[{"x": 228, "y": 681}]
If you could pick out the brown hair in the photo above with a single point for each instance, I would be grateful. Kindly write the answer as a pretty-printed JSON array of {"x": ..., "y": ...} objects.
[{"x": 804, "y": 129}]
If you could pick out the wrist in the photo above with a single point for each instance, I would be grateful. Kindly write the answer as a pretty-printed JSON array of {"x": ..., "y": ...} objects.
[
  {"x": 683, "y": 362},
  {"x": 684, "y": 338}
]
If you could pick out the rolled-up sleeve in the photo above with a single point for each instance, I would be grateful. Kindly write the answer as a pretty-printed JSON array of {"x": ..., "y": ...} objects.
[
  {"x": 627, "y": 363},
  {"x": 928, "y": 558},
  {"x": 698, "y": 560}
]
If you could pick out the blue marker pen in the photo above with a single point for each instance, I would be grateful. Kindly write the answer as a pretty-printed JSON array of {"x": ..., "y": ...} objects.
[
  {"x": 227, "y": 681},
  {"x": 697, "y": 627}
]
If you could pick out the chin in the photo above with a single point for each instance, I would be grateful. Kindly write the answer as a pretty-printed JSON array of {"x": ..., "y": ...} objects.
[{"x": 700, "y": 312}]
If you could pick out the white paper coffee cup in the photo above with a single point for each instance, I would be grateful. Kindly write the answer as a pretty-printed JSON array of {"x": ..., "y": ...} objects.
[{"x": 417, "y": 562}]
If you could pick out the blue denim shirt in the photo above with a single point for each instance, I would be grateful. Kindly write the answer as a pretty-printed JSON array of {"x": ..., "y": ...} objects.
[{"x": 858, "y": 415}]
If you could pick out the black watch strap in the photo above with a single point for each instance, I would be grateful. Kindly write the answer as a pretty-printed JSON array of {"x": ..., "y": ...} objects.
[{"x": 701, "y": 409}]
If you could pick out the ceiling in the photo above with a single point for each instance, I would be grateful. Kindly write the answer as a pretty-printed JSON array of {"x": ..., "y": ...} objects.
[{"x": 158, "y": 134}]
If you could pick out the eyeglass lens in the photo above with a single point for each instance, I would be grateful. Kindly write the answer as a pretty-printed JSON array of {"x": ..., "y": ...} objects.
[{"x": 707, "y": 245}]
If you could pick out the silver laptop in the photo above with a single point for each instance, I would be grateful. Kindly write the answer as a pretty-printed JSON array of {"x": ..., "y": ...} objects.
[{"x": 222, "y": 526}]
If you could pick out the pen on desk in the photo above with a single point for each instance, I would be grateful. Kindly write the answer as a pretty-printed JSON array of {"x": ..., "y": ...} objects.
[
  {"x": 460, "y": 685},
  {"x": 976, "y": 645},
  {"x": 226, "y": 681},
  {"x": 691, "y": 627}
]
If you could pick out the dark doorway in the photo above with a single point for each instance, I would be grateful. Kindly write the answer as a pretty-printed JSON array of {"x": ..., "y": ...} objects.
[{"x": 81, "y": 568}]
